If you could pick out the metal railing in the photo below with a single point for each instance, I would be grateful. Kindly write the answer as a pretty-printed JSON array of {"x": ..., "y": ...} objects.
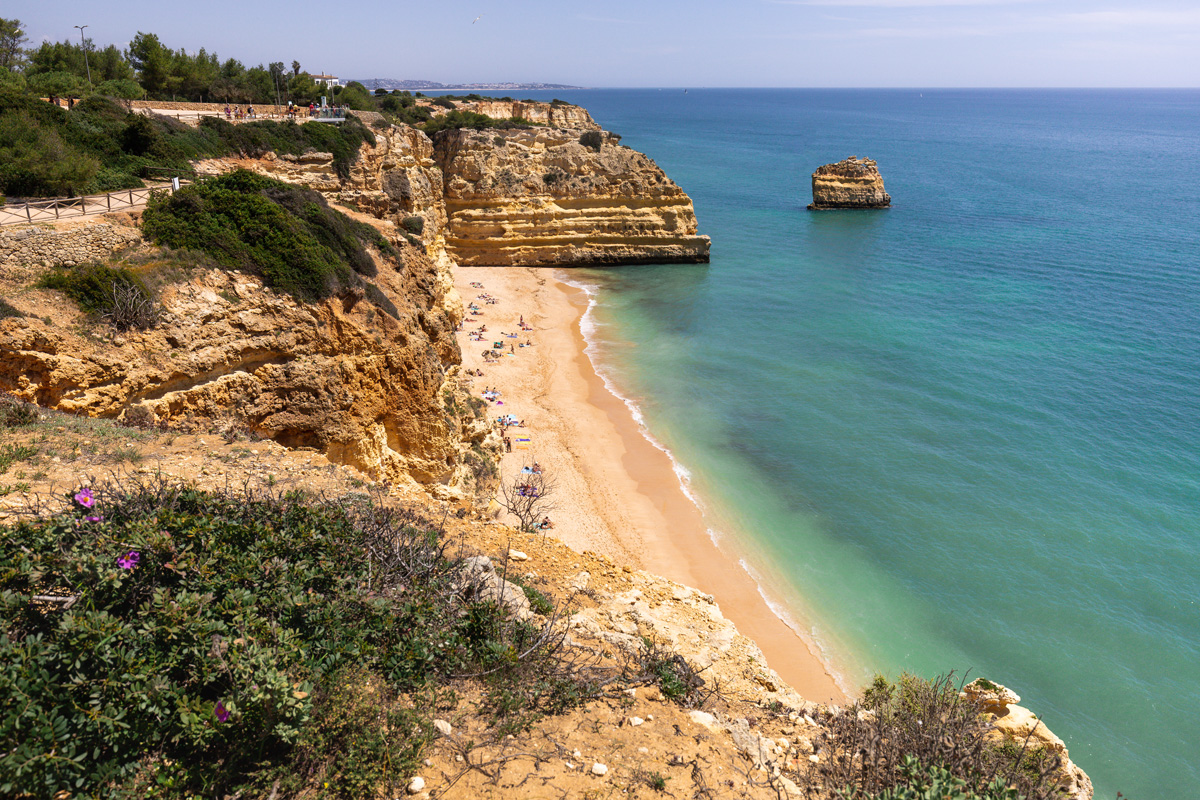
[{"x": 65, "y": 207}]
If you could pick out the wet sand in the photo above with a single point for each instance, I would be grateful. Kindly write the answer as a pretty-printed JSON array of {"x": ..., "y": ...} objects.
[{"x": 615, "y": 493}]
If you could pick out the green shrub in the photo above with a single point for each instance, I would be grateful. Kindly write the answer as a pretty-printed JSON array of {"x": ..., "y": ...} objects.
[
  {"x": 264, "y": 136},
  {"x": 11, "y": 454},
  {"x": 100, "y": 146},
  {"x": 592, "y": 139},
  {"x": 455, "y": 120},
  {"x": 679, "y": 681},
  {"x": 904, "y": 737},
  {"x": 414, "y": 225},
  {"x": 285, "y": 234},
  {"x": 36, "y": 161},
  {"x": 139, "y": 135},
  {"x": 538, "y": 601},
  {"x": 209, "y": 641},
  {"x": 121, "y": 88},
  {"x": 114, "y": 292},
  {"x": 935, "y": 783},
  {"x": 15, "y": 412},
  {"x": 358, "y": 740},
  {"x": 410, "y": 114},
  {"x": 7, "y": 310}
]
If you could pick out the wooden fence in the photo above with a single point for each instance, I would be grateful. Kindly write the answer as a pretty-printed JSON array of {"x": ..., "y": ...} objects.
[{"x": 61, "y": 208}]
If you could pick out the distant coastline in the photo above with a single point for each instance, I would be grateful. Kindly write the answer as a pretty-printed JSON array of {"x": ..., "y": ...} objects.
[{"x": 391, "y": 84}]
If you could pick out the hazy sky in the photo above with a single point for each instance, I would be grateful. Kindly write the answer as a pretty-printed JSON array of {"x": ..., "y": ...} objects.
[{"x": 628, "y": 43}]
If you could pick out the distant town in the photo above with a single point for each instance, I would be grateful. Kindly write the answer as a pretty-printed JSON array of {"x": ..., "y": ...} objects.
[{"x": 392, "y": 84}]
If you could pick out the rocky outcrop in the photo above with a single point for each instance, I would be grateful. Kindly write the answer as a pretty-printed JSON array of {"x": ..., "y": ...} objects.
[
  {"x": 554, "y": 115},
  {"x": 535, "y": 196},
  {"x": 540, "y": 197},
  {"x": 684, "y": 621},
  {"x": 1020, "y": 725},
  {"x": 481, "y": 583},
  {"x": 341, "y": 377},
  {"x": 852, "y": 183}
]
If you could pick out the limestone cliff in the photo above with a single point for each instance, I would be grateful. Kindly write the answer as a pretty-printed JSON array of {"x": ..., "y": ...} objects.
[
  {"x": 852, "y": 183},
  {"x": 341, "y": 376},
  {"x": 393, "y": 179},
  {"x": 535, "y": 196},
  {"x": 538, "y": 196},
  {"x": 560, "y": 115}
]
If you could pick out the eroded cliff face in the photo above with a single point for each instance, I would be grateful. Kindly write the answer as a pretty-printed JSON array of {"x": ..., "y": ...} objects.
[
  {"x": 393, "y": 179},
  {"x": 539, "y": 197},
  {"x": 851, "y": 183},
  {"x": 341, "y": 376},
  {"x": 510, "y": 197},
  {"x": 561, "y": 115}
]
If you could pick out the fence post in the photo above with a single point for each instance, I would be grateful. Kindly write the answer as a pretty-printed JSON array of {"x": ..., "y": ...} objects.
[
  {"x": 108, "y": 199},
  {"x": 131, "y": 197},
  {"x": 56, "y": 209},
  {"x": 28, "y": 214}
]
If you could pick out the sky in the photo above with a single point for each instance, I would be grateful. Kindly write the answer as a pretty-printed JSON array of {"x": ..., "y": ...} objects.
[{"x": 672, "y": 43}]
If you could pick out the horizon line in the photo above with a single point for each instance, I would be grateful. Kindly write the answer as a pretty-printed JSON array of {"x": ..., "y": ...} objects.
[{"x": 843, "y": 88}]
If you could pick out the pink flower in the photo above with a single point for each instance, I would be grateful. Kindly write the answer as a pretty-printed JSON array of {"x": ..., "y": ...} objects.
[
  {"x": 222, "y": 712},
  {"x": 84, "y": 498},
  {"x": 94, "y": 519},
  {"x": 129, "y": 560}
]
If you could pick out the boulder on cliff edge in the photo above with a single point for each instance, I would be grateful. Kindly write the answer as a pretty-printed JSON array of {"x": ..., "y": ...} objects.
[{"x": 852, "y": 183}]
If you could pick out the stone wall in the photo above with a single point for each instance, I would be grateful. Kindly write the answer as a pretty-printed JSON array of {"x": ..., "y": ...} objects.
[
  {"x": 212, "y": 108},
  {"x": 26, "y": 246}
]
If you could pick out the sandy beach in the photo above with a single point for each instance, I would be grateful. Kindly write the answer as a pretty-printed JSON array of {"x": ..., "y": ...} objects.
[{"x": 615, "y": 493}]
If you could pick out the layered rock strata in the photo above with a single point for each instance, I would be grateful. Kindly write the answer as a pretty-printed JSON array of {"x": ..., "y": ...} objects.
[
  {"x": 554, "y": 115},
  {"x": 340, "y": 377},
  {"x": 852, "y": 183},
  {"x": 540, "y": 197},
  {"x": 510, "y": 197}
]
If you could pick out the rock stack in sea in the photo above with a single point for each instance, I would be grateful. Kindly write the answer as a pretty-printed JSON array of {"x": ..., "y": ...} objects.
[{"x": 852, "y": 183}]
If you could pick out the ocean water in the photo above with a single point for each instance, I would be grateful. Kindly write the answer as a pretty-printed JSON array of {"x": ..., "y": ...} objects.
[{"x": 962, "y": 433}]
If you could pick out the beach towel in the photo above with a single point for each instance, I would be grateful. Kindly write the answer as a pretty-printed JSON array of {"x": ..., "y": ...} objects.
[{"x": 524, "y": 440}]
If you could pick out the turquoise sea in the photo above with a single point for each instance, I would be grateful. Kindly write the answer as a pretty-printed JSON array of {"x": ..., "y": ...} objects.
[{"x": 962, "y": 433}]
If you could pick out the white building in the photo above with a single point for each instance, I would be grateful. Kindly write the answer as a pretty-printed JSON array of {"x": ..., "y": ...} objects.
[{"x": 326, "y": 80}]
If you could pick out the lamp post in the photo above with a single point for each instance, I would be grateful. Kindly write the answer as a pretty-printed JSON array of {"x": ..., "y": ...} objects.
[{"x": 83, "y": 44}]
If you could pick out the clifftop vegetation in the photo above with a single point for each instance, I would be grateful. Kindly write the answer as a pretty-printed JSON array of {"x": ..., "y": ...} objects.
[
  {"x": 98, "y": 146},
  {"x": 149, "y": 69},
  {"x": 221, "y": 645},
  {"x": 285, "y": 234}
]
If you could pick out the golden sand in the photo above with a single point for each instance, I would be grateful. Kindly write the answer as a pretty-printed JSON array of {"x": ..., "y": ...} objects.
[{"x": 615, "y": 492}]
